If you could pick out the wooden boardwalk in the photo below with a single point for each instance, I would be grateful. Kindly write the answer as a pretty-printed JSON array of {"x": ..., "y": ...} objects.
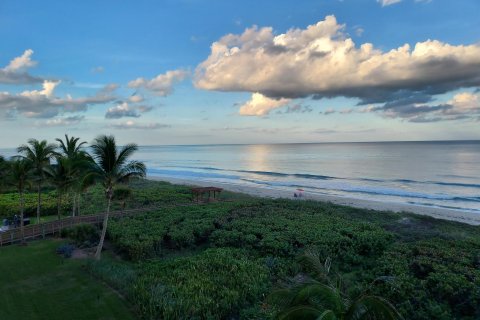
[{"x": 41, "y": 230}]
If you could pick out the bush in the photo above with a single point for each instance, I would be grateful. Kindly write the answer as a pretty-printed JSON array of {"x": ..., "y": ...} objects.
[
  {"x": 433, "y": 279},
  {"x": 214, "y": 284},
  {"x": 66, "y": 250},
  {"x": 84, "y": 235}
]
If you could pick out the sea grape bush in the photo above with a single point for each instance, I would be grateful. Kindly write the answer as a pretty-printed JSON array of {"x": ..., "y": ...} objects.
[
  {"x": 433, "y": 278},
  {"x": 214, "y": 284}
]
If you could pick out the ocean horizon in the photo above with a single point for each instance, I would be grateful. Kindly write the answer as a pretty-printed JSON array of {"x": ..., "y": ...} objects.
[{"x": 443, "y": 174}]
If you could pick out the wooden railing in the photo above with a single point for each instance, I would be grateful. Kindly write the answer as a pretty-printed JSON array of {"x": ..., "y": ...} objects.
[{"x": 47, "y": 228}]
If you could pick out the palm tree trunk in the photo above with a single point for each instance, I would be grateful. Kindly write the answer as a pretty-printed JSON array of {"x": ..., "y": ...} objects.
[
  {"x": 59, "y": 201},
  {"x": 74, "y": 204},
  {"x": 39, "y": 189},
  {"x": 22, "y": 205},
  {"x": 104, "y": 230},
  {"x": 78, "y": 203}
]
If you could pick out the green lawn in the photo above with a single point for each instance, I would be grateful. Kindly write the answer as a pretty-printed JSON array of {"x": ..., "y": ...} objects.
[{"x": 35, "y": 283}]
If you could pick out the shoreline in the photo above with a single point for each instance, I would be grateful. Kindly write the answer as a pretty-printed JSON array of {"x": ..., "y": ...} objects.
[{"x": 438, "y": 213}]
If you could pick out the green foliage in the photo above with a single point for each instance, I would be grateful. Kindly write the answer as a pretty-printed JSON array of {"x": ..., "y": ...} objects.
[
  {"x": 145, "y": 236},
  {"x": 84, "y": 235},
  {"x": 9, "y": 204},
  {"x": 276, "y": 228},
  {"x": 211, "y": 285},
  {"x": 433, "y": 278}
]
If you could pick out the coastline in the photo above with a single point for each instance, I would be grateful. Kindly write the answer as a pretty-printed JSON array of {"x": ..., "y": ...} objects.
[{"x": 438, "y": 213}]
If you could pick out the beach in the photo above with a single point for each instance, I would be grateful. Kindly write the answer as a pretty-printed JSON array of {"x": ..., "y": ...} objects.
[{"x": 265, "y": 192}]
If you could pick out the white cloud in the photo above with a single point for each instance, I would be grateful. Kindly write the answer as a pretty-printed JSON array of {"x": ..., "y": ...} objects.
[
  {"x": 140, "y": 126},
  {"x": 15, "y": 71},
  {"x": 124, "y": 109},
  {"x": 161, "y": 85},
  {"x": 388, "y": 2},
  {"x": 323, "y": 62},
  {"x": 44, "y": 104},
  {"x": 135, "y": 98},
  {"x": 62, "y": 122},
  {"x": 259, "y": 105},
  {"x": 21, "y": 63},
  {"x": 98, "y": 69}
]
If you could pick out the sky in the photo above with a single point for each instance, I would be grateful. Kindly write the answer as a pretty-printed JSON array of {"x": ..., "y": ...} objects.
[{"x": 221, "y": 71}]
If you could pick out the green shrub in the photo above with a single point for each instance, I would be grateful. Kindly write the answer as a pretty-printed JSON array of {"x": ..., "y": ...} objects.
[
  {"x": 84, "y": 235},
  {"x": 433, "y": 279},
  {"x": 214, "y": 284}
]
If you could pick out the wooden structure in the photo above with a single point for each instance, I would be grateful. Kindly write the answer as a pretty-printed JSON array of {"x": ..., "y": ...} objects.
[
  {"x": 47, "y": 228},
  {"x": 198, "y": 194}
]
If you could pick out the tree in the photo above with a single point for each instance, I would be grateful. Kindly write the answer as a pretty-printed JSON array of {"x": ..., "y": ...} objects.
[
  {"x": 61, "y": 175},
  {"x": 81, "y": 163},
  {"x": 112, "y": 168},
  {"x": 39, "y": 153},
  {"x": 3, "y": 171},
  {"x": 122, "y": 195},
  {"x": 20, "y": 177},
  {"x": 318, "y": 297}
]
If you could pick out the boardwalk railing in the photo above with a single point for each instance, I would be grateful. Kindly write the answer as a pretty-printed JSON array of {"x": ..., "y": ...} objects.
[{"x": 56, "y": 226}]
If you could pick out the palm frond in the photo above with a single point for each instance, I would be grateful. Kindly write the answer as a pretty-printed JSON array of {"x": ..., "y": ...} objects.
[
  {"x": 302, "y": 312},
  {"x": 372, "y": 307}
]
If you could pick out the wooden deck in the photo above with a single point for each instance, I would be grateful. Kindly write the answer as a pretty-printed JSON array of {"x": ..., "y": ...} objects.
[{"x": 48, "y": 228}]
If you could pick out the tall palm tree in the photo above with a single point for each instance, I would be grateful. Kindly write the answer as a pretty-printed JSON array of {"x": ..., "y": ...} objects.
[
  {"x": 20, "y": 177},
  {"x": 39, "y": 153},
  {"x": 62, "y": 176},
  {"x": 81, "y": 163},
  {"x": 71, "y": 148},
  {"x": 3, "y": 171},
  {"x": 112, "y": 168},
  {"x": 321, "y": 298}
]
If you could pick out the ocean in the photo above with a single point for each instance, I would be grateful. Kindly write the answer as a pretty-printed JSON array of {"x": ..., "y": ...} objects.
[{"x": 443, "y": 174}]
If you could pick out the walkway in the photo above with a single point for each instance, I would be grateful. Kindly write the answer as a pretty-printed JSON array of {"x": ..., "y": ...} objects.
[{"x": 56, "y": 226}]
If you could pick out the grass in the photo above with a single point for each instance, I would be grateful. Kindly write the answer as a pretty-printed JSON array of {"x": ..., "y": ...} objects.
[{"x": 36, "y": 283}]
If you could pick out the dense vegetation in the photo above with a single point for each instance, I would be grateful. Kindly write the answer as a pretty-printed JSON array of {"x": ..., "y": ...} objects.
[
  {"x": 221, "y": 260},
  {"x": 186, "y": 256}
]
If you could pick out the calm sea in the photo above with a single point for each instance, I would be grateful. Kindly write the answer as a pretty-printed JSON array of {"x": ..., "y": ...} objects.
[{"x": 441, "y": 174}]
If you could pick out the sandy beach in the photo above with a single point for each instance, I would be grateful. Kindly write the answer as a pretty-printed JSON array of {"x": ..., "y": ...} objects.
[{"x": 439, "y": 213}]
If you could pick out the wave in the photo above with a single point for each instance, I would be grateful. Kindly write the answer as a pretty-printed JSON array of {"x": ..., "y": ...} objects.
[
  {"x": 190, "y": 174},
  {"x": 326, "y": 177},
  {"x": 370, "y": 190}
]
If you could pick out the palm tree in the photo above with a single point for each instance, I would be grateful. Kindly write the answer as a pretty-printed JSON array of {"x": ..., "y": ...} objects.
[
  {"x": 20, "y": 177},
  {"x": 3, "y": 171},
  {"x": 320, "y": 298},
  {"x": 73, "y": 150},
  {"x": 61, "y": 175},
  {"x": 113, "y": 168},
  {"x": 122, "y": 195},
  {"x": 40, "y": 154}
]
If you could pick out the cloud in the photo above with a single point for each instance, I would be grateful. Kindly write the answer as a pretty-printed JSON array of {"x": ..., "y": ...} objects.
[
  {"x": 358, "y": 31},
  {"x": 388, "y": 2},
  {"x": 259, "y": 105},
  {"x": 44, "y": 104},
  {"x": 15, "y": 71},
  {"x": 66, "y": 121},
  {"x": 328, "y": 111},
  {"x": 98, "y": 69},
  {"x": 139, "y": 126},
  {"x": 463, "y": 106},
  {"x": 321, "y": 61},
  {"x": 125, "y": 110},
  {"x": 297, "y": 108},
  {"x": 161, "y": 85},
  {"x": 135, "y": 98}
]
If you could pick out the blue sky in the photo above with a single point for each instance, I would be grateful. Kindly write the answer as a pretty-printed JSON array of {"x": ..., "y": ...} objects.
[{"x": 146, "y": 71}]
